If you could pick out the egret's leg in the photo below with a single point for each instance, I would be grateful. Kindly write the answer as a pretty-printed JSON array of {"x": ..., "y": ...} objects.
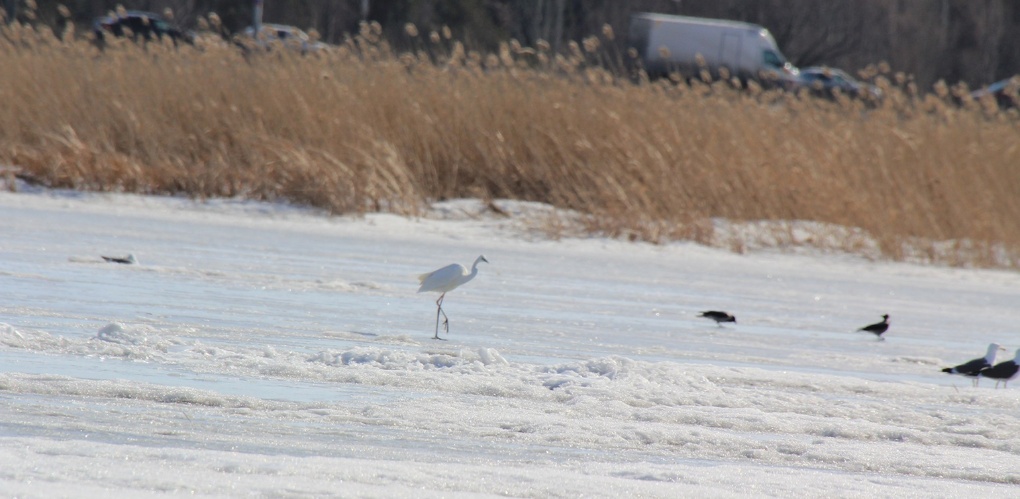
[{"x": 446, "y": 321}]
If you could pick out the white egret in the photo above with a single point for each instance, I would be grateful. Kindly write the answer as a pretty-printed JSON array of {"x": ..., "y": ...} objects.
[{"x": 447, "y": 279}]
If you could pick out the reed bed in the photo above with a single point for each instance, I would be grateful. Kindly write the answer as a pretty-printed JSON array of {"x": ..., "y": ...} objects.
[{"x": 364, "y": 128}]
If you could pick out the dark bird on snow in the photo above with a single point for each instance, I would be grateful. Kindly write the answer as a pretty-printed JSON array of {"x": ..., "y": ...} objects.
[
  {"x": 127, "y": 260},
  {"x": 718, "y": 317},
  {"x": 1004, "y": 371},
  {"x": 973, "y": 367},
  {"x": 878, "y": 328}
]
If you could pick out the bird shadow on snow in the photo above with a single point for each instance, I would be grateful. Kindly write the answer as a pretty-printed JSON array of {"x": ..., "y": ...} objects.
[
  {"x": 86, "y": 259},
  {"x": 374, "y": 338}
]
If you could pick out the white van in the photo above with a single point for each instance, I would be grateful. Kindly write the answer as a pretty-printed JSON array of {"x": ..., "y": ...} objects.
[{"x": 668, "y": 43}]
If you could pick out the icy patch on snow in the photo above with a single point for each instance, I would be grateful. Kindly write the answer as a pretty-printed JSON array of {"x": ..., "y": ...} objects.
[
  {"x": 382, "y": 358},
  {"x": 123, "y": 389},
  {"x": 115, "y": 333},
  {"x": 133, "y": 342}
]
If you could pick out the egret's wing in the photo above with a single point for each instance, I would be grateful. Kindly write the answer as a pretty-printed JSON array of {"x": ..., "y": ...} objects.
[
  {"x": 443, "y": 279},
  {"x": 430, "y": 281}
]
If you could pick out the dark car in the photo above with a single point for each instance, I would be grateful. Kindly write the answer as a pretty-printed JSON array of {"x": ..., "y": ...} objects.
[
  {"x": 825, "y": 82},
  {"x": 1005, "y": 92},
  {"x": 139, "y": 25}
]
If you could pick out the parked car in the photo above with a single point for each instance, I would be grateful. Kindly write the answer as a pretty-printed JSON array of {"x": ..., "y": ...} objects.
[
  {"x": 288, "y": 36},
  {"x": 667, "y": 43},
  {"x": 825, "y": 81},
  {"x": 138, "y": 24},
  {"x": 1005, "y": 92}
]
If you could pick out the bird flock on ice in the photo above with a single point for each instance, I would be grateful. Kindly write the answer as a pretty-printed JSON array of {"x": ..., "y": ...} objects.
[{"x": 450, "y": 277}]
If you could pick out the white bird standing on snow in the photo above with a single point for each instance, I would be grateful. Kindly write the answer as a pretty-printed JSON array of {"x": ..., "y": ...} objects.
[{"x": 446, "y": 279}]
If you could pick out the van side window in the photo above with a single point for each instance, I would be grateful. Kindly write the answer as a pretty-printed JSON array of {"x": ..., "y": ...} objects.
[{"x": 772, "y": 59}]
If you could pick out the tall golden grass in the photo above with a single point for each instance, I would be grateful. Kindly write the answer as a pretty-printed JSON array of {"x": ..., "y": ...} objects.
[{"x": 362, "y": 128}]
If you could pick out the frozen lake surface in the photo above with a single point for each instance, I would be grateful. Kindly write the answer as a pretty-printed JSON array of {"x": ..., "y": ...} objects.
[{"x": 262, "y": 350}]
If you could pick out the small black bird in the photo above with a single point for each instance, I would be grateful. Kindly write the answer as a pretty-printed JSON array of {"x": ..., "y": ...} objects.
[
  {"x": 973, "y": 367},
  {"x": 878, "y": 328},
  {"x": 127, "y": 260},
  {"x": 718, "y": 317},
  {"x": 1004, "y": 371}
]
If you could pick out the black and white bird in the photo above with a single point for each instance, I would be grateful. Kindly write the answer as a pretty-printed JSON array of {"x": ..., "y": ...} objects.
[
  {"x": 718, "y": 316},
  {"x": 973, "y": 367},
  {"x": 877, "y": 328},
  {"x": 1003, "y": 371},
  {"x": 127, "y": 260}
]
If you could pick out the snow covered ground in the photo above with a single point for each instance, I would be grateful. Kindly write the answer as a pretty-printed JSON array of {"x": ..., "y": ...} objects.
[{"x": 261, "y": 350}]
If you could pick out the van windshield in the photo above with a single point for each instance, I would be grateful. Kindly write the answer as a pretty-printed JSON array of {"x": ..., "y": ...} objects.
[{"x": 773, "y": 59}]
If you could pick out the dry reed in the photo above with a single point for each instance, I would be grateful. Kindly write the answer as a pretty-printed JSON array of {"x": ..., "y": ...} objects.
[{"x": 361, "y": 128}]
